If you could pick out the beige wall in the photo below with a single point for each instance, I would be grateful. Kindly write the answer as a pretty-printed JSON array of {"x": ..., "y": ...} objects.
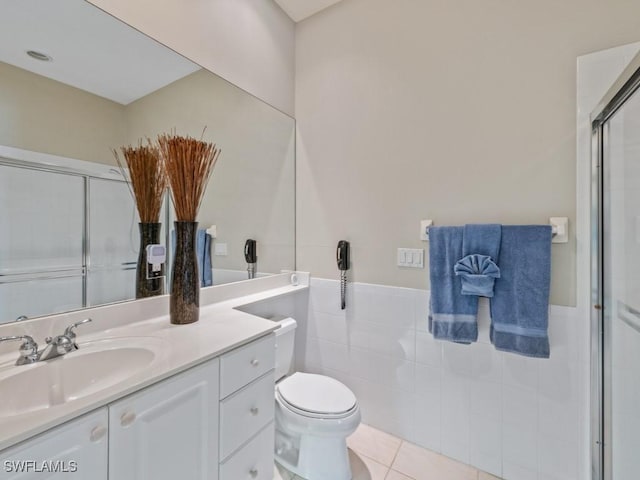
[
  {"x": 251, "y": 192},
  {"x": 43, "y": 115},
  {"x": 458, "y": 111},
  {"x": 248, "y": 42}
]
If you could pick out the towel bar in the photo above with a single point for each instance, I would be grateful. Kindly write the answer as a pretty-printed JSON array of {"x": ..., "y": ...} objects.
[{"x": 559, "y": 229}]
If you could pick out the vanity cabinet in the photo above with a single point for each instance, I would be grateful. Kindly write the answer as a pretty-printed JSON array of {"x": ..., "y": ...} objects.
[
  {"x": 77, "y": 449},
  {"x": 247, "y": 409},
  {"x": 169, "y": 430},
  {"x": 214, "y": 421}
]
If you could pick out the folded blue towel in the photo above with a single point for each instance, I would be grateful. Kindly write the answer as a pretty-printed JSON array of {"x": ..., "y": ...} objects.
[
  {"x": 520, "y": 305},
  {"x": 478, "y": 270},
  {"x": 452, "y": 316},
  {"x": 478, "y": 274}
]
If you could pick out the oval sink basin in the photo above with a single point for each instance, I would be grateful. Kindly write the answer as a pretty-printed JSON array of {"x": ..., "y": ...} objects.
[{"x": 94, "y": 367}]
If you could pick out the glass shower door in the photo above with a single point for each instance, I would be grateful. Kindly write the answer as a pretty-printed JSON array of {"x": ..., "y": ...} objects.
[
  {"x": 114, "y": 241},
  {"x": 621, "y": 290},
  {"x": 41, "y": 235}
]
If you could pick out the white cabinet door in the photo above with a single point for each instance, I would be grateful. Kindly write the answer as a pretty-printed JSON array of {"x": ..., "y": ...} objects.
[
  {"x": 168, "y": 431},
  {"x": 77, "y": 449}
]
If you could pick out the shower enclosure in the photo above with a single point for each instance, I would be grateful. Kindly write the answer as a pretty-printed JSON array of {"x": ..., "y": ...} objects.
[
  {"x": 615, "y": 239},
  {"x": 68, "y": 239}
]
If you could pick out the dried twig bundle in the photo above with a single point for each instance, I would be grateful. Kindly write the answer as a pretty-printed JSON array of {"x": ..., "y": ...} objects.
[
  {"x": 188, "y": 164},
  {"x": 148, "y": 180}
]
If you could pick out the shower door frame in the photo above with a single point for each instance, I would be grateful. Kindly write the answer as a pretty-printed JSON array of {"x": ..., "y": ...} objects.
[{"x": 623, "y": 88}]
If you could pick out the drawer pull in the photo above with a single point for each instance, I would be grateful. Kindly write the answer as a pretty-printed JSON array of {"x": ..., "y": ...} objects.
[
  {"x": 253, "y": 472},
  {"x": 255, "y": 362},
  {"x": 254, "y": 411},
  {"x": 98, "y": 433},
  {"x": 127, "y": 419}
]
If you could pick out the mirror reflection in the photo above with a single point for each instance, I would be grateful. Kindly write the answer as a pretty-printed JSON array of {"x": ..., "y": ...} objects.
[{"x": 68, "y": 224}]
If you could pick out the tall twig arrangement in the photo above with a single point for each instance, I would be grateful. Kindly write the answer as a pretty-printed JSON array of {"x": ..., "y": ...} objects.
[
  {"x": 188, "y": 165},
  {"x": 148, "y": 181}
]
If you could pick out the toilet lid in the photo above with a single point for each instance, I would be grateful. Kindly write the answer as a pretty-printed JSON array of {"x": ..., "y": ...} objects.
[{"x": 316, "y": 394}]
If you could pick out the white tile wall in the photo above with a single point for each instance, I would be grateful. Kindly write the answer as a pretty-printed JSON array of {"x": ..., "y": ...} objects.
[{"x": 515, "y": 417}]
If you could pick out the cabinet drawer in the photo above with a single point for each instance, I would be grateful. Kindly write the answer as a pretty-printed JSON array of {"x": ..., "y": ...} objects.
[
  {"x": 245, "y": 413},
  {"x": 254, "y": 461},
  {"x": 243, "y": 365}
]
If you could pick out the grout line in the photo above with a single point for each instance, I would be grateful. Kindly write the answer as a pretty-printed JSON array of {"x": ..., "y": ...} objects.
[
  {"x": 370, "y": 458},
  {"x": 396, "y": 454}
]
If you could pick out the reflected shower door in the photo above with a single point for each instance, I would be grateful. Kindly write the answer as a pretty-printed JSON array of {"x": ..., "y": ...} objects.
[
  {"x": 621, "y": 290},
  {"x": 114, "y": 241}
]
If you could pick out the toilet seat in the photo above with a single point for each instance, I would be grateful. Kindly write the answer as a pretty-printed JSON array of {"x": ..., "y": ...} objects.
[{"x": 316, "y": 396}]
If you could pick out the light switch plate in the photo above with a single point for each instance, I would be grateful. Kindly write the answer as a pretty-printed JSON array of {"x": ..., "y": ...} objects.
[
  {"x": 220, "y": 249},
  {"x": 411, "y": 257}
]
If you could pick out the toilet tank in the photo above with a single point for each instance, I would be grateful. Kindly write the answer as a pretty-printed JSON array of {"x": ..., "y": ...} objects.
[{"x": 285, "y": 340}]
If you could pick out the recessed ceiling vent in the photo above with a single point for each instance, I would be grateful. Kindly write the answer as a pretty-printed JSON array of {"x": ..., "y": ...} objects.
[{"x": 43, "y": 57}]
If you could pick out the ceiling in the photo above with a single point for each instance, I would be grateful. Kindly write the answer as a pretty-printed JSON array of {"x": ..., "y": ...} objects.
[
  {"x": 301, "y": 9},
  {"x": 90, "y": 49}
]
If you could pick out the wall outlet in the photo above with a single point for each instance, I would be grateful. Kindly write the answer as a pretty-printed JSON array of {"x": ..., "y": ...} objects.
[
  {"x": 220, "y": 249},
  {"x": 411, "y": 257}
]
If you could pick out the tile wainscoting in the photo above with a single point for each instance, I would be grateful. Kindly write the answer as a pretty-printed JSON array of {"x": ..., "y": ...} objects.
[{"x": 515, "y": 417}]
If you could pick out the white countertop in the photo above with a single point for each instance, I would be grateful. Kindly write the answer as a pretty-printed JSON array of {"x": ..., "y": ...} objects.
[{"x": 221, "y": 328}]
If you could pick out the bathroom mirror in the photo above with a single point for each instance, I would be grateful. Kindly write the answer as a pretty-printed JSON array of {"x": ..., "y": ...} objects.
[{"x": 76, "y": 83}]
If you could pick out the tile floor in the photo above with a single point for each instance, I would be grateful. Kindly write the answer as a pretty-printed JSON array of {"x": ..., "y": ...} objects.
[{"x": 376, "y": 455}]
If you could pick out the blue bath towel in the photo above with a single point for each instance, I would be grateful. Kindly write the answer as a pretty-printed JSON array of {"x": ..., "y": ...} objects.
[
  {"x": 203, "y": 252},
  {"x": 207, "y": 272},
  {"x": 452, "y": 316},
  {"x": 480, "y": 249},
  {"x": 520, "y": 305}
]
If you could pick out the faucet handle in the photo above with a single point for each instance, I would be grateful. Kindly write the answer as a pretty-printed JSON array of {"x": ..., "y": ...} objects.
[
  {"x": 69, "y": 333},
  {"x": 28, "y": 348}
]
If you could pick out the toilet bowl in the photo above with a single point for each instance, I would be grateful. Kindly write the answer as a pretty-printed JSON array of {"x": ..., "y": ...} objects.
[{"x": 314, "y": 415}]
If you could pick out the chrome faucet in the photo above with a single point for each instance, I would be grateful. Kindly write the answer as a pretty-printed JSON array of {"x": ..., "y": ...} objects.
[
  {"x": 56, "y": 347},
  {"x": 28, "y": 349},
  {"x": 62, "y": 344}
]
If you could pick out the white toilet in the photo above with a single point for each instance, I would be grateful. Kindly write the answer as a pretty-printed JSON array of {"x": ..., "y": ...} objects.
[{"x": 314, "y": 416}]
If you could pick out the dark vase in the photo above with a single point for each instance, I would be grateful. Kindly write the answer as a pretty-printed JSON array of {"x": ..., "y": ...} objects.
[
  {"x": 148, "y": 287},
  {"x": 184, "y": 304}
]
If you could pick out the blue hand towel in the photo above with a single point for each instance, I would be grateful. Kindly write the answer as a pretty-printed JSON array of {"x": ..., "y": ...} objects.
[
  {"x": 520, "y": 305},
  {"x": 480, "y": 248},
  {"x": 478, "y": 274},
  {"x": 452, "y": 316},
  {"x": 482, "y": 239}
]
